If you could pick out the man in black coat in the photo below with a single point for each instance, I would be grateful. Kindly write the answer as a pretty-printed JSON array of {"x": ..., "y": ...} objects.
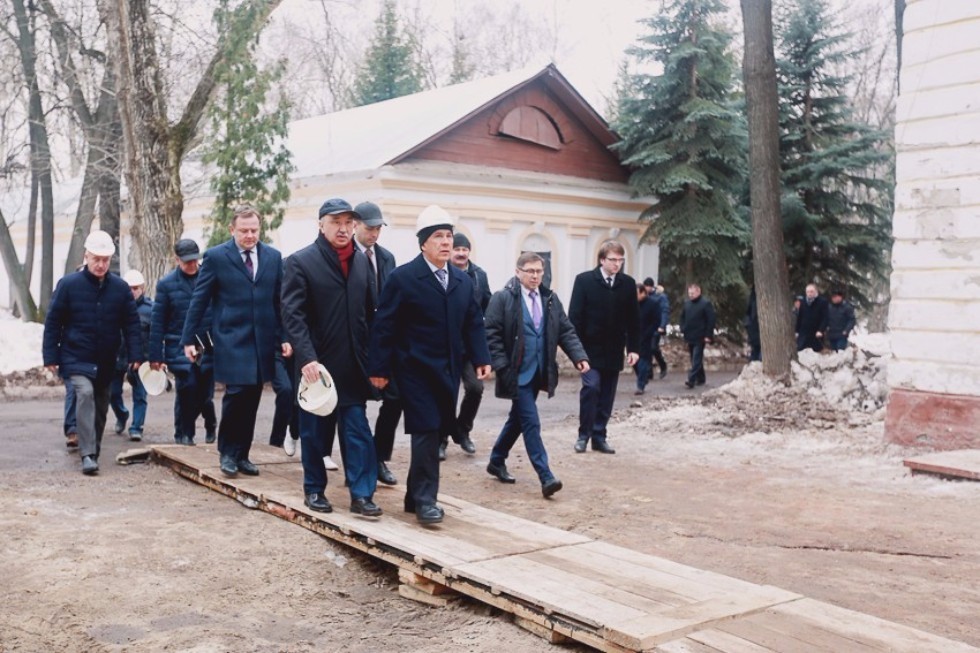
[
  {"x": 604, "y": 312},
  {"x": 472, "y": 386},
  {"x": 698, "y": 327},
  {"x": 382, "y": 265},
  {"x": 427, "y": 324},
  {"x": 194, "y": 381},
  {"x": 840, "y": 320},
  {"x": 241, "y": 281},
  {"x": 649, "y": 322},
  {"x": 811, "y": 321},
  {"x": 327, "y": 303},
  {"x": 91, "y": 312},
  {"x": 525, "y": 326}
]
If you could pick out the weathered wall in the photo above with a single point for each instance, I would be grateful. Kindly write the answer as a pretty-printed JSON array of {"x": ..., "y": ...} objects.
[{"x": 935, "y": 286}]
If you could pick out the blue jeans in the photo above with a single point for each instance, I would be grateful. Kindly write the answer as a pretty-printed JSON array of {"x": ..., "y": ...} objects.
[
  {"x": 696, "y": 375},
  {"x": 116, "y": 402},
  {"x": 69, "y": 408},
  {"x": 596, "y": 403},
  {"x": 139, "y": 400},
  {"x": 523, "y": 418},
  {"x": 838, "y": 344},
  {"x": 644, "y": 371},
  {"x": 360, "y": 462}
]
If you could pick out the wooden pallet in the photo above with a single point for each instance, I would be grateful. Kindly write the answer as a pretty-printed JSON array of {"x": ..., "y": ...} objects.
[
  {"x": 557, "y": 584},
  {"x": 961, "y": 464}
]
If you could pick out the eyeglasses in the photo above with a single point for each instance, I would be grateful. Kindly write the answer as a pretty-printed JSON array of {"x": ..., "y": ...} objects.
[
  {"x": 615, "y": 260},
  {"x": 531, "y": 272}
]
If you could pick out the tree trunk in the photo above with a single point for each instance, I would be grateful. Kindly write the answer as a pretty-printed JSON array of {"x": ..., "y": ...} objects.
[
  {"x": 40, "y": 149},
  {"x": 31, "y": 230},
  {"x": 22, "y": 293},
  {"x": 768, "y": 257}
]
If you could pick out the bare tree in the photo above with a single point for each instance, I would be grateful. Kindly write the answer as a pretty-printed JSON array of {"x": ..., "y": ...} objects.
[
  {"x": 154, "y": 146},
  {"x": 768, "y": 258}
]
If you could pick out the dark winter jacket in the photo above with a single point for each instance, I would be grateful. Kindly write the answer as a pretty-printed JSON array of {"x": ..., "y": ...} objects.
[
  {"x": 385, "y": 263},
  {"x": 173, "y": 297},
  {"x": 812, "y": 318},
  {"x": 840, "y": 320},
  {"x": 326, "y": 316},
  {"x": 86, "y": 322},
  {"x": 663, "y": 304},
  {"x": 697, "y": 320},
  {"x": 649, "y": 323},
  {"x": 144, "y": 308},
  {"x": 505, "y": 337},
  {"x": 481, "y": 285},
  {"x": 605, "y": 319}
]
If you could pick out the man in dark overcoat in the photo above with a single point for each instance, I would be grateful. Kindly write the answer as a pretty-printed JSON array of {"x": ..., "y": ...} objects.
[
  {"x": 326, "y": 304},
  {"x": 241, "y": 281},
  {"x": 91, "y": 311},
  {"x": 606, "y": 318},
  {"x": 427, "y": 324},
  {"x": 698, "y": 327},
  {"x": 526, "y": 324},
  {"x": 811, "y": 320},
  {"x": 194, "y": 380},
  {"x": 382, "y": 265}
]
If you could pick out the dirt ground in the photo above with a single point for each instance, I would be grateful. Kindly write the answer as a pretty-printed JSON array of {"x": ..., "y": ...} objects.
[{"x": 137, "y": 559}]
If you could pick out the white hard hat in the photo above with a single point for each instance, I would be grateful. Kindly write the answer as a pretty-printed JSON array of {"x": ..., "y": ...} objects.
[
  {"x": 100, "y": 243},
  {"x": 433, "y": 216},
  {"x": 154, "y": 381},
  {"x": 134, "y": 278},
  {"x": 319, "y": 398}
]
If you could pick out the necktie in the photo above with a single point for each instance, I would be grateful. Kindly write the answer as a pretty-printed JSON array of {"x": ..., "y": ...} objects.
[
  {"x": 369, "y": 252},
  {"x": 609, "y": 280},
  {"x": 535, "y": 309},
  {"x": 443, "y": 278},
  {"x": 248, "y": 264}
]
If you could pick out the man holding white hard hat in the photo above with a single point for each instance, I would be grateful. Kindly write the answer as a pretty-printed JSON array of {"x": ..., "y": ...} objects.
[
  {"x": 326, "y": 304},
  {"x": 427, "y": 324},
  {"x": 91, "y": 312}
]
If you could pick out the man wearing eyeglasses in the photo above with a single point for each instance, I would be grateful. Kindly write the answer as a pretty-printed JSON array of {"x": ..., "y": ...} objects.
[
  {"x": 525, "y": 325},
  {"x": 606, "y": 318}
]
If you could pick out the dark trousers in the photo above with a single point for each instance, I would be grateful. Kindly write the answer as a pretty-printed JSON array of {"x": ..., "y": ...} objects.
[
  {"x": 360, "y": 466},
  {"x": 195, "y": 389},
  {"x": 472, "y": 397},
  {"x": 696, "y": 374},
  {"x": 139, "y": 399},
  {"x": 116, "y": 397},
  {"x": 237, "y": 428},
  {"x": 644, "y": 371},
  {"x": 385, "y": 426},
  {"x": 838, "y": 344},
  {"x": 804, "y": 341},
  {"x": 596, "y": 403},
  {"x": 658, "y": 355},
  {"x": 91, "y": 407},
  {"x": 523, "y": 418},
  {"x": 69, "y": 423},
  {"x": 286, "y": 409},
  {"x": 423, "y": 472}
]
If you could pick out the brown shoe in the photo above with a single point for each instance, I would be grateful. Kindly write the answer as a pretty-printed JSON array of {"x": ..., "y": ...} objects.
[{"x": 71, "y": 440}]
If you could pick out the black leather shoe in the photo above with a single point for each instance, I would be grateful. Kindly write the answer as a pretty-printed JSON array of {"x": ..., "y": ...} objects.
[
  {"x": 663, "y": 372},
  {"x": 549, "y": 488},
  {"x": 246, "y": 466},
  {"x": 429, "y": 514},
  {"x": 602, "y": 446},
  {"x": 121, "y": 424},
  {"x": 699, "y": 382},
  {"x": 468, "y": 446},
  {"x": 385, "y": 476},
  {"x": 210, "y": 437},
  {"x": 228, "y": 465},
  {"x": 442, "y": 452},
  {"x": 317, "y": 502},
  {"x": 580, "y": 445},
  {"x": 500, "y": 471},
  {"x": 365, "y": 507},
  {"x": 688, "y": 385}
]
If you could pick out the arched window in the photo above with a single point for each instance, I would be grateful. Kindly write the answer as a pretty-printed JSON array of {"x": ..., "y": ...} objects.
[{"x": 532, "y": 125}]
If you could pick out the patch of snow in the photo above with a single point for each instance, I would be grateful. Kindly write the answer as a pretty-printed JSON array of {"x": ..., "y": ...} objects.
[{"x": 20, "y": 344}]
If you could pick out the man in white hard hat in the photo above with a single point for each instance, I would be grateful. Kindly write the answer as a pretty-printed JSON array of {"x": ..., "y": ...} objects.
[
  {"x": 91, "y": 312},
  {"x": 144, "y": 307},
  {"x": 427, "y": 324}
]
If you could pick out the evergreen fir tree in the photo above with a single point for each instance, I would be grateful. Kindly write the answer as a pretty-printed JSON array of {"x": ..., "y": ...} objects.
[
  {"x": 836, "y": 174},
  {"x": 247, "y": 144},
  {"x": 389, "y": 69},
  {"x": 685, "y": 142}
]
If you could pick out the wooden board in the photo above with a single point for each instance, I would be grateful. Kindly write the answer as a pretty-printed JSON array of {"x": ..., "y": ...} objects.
[{"x": 964, "y": 463}]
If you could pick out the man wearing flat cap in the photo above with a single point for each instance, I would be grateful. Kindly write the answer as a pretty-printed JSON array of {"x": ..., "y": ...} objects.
[
  {"x": 91, "y": 312},
  {"x": 240, "y": 281},
  {"x": 194, "y": 379},
  {"x": 427, "y": 324},
  {"x": 327, "y": 303},
  {"x": 382, "y": 264}
]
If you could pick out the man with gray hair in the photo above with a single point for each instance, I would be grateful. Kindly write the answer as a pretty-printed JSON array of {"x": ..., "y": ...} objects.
[{"x": 91, "y": 312}]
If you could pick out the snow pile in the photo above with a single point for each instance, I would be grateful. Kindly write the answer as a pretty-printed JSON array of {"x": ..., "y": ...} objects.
[
  {"x": 854, "y": 379},
  {"x": 20, "y": 344}
]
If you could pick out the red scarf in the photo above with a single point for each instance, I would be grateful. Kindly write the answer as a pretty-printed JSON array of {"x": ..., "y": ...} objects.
[{"x": 345, "y": 254}]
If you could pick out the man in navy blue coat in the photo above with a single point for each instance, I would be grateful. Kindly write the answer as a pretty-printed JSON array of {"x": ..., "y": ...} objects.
[
  {"x": 194, "y": 380},
  {"x": 91, "y": 311},
  {"x": 427, "y": 324},
  {"x": 240, "y": 280}
]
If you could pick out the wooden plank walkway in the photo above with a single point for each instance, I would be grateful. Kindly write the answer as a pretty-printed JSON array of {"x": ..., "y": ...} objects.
[
  {"x": 963, "y": 464},
  {"x": 560, "y": 585}
]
